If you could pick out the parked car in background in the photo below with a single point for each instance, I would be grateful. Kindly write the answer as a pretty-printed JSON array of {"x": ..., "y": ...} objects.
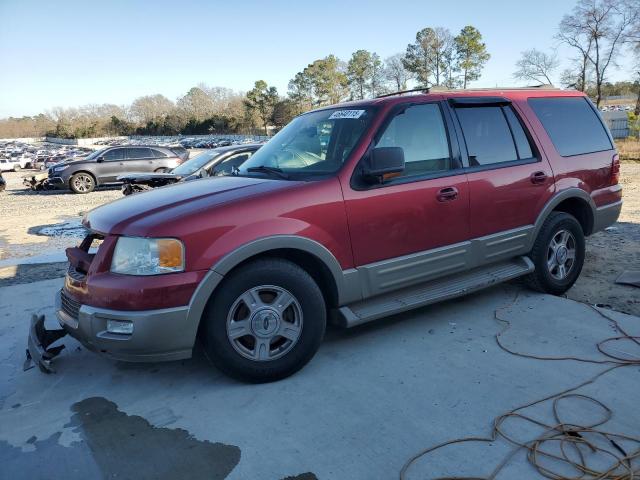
[
  {"x": 211, "y": 163},
  {"x": 106, "y": 165},
  {"x": 7, "y": 165}
]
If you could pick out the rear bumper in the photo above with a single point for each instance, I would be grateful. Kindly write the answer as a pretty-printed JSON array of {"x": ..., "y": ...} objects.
[
  {"x": 158, "y": 335},
  {"x": 606, "y": 215}
]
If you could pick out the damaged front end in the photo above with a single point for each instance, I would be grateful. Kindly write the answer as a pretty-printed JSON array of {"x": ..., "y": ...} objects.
[
  {"x": 40, "y": 351},
  {"x": 37, "y": 182}
]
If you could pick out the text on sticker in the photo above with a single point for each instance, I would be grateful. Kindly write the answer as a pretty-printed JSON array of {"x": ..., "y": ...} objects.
[{"x": 346, "y": 114}]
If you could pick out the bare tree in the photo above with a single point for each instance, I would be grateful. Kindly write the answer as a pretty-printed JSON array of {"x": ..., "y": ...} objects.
[
  {"x": 536, "y": 66},
  {"x": 151, "y": 107},
  {"x": 598, "y": 29},
  {"x": 395, "y": 73}
]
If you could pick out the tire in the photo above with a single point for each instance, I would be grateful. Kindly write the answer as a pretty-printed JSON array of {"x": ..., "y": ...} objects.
[
  {"x": 243, "y": 341},
  {"x": 161, "y": 170},
  {"x": 82, "y": 182},
  {"x": 559, "y": 230}
]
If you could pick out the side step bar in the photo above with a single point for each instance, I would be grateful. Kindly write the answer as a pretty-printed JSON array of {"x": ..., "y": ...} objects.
[{"x": 432, "y": 292}]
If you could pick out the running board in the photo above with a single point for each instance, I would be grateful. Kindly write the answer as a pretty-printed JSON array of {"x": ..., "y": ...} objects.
[{"x": 434, "y": 291}]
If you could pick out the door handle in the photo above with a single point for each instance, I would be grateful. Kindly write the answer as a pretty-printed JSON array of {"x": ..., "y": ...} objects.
[
  {"x": 447, "y": 194},
  {"x": 538, "y": 177}
]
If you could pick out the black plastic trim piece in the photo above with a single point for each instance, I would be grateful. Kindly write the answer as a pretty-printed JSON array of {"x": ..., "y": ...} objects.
[{"x": 462, "y": 102}]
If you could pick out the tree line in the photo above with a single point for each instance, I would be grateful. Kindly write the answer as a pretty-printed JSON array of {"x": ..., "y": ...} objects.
[
  {"x": 436, "y": 57},
  {"x": 598, "y": 32}
]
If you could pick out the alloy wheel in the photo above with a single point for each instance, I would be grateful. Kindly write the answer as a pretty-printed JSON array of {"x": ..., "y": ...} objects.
[
  {"x": 561, "y": 254},
  {"x": 83, "y": 183},
  {"x": 264, "y": 323}
]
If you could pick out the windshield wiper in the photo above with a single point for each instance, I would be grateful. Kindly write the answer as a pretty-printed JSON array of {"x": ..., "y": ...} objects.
[{"x": 271, "y": 170}]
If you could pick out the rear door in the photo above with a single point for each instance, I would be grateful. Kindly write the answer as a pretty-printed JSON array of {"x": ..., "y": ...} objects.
[
  {"x": 510, "y": 178},
  {"x": 140, "y": 159}
]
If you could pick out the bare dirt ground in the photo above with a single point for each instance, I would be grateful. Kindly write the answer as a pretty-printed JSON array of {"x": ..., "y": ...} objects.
[
  {"x": 611, "y": 252},
  {"x": 25, "y": 214}
]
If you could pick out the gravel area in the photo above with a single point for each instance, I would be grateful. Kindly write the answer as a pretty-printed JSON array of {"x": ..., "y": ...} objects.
[{"x": 25, "y": 212}]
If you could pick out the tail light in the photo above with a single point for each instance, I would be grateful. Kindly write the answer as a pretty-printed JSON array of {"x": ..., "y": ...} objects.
[{"x": 615, "y": 169}]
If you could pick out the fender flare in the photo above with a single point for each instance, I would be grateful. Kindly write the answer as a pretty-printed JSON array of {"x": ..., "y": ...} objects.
[
  {"x": 557, "y": 200},
  {"x": 348, "y": 290}
]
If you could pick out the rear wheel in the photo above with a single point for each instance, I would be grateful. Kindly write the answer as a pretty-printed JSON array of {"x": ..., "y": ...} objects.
[
  {"x": 265, "y": 322},
  {"x": 161, "y": 170},
  {"x": 82, "y": 182},
  {"x": 558, "y": 254}
]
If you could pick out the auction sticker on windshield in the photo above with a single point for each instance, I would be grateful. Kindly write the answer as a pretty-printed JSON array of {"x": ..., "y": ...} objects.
[{"x": 346, "y": 114}]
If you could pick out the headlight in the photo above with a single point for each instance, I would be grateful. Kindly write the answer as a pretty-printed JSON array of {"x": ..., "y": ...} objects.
[
  {"x": 147, "y": 256},
  {"x": 61, "y": 168}
]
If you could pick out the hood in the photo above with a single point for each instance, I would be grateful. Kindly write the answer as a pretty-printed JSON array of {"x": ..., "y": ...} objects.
[{"x": 160, "y": 211}]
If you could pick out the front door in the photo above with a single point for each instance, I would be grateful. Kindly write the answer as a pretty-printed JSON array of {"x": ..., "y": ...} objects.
[
  {"x": 413, "y": 227},
  {"x": 111, "y": 164}
]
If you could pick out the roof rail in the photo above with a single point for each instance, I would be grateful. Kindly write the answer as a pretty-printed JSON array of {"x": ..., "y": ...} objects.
[
  {"x": 402, "y": 92},
  {"x": 439, "y": 88}
]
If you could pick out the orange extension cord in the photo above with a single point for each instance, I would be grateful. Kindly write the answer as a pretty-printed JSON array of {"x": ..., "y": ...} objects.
[{"x": 571, "y": 438}]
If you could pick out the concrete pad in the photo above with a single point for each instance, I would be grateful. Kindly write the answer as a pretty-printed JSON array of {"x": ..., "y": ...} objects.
[{"x": 371, "y": 398}]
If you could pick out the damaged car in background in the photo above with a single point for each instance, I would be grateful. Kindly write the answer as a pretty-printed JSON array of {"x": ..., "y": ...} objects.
[{"x": 211, "y": 163}]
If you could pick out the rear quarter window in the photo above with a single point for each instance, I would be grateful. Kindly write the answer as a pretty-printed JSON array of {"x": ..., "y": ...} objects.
[{"x": 572, "y": 124}]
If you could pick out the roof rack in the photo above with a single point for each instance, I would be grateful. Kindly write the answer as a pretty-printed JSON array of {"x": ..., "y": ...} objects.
[
  {"x": 439, "y": 88},
  {"x": 402, "y": 92}
]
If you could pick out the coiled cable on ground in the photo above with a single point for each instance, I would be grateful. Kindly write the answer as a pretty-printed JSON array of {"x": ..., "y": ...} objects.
[{"x": 574, "y": 442}]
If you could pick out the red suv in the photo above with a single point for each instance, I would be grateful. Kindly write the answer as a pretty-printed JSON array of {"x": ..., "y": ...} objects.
[{"x": 352, "y": 212}]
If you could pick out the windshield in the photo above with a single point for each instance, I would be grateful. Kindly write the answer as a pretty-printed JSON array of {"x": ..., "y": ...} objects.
[
  {"x": 196, "y": 163},
  {"x": 95, "y": 154},
  {"x": 313, "y": 143}
]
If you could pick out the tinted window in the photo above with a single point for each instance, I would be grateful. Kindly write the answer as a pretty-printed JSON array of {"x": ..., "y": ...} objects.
[
  {"x": 572, "y": 125},
  {"x": 134, "y": 153},
  {"x": 114, "y": 155},
  {"x": 157, "y": 153},
  {"x": 420, "y": 132},
  {"x": 226, "y": 167},
  {"x": 522, "y": 142},
  {"x": 487, "y": 135}
]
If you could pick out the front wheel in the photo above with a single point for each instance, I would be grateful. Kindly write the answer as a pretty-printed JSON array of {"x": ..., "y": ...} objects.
[
  {"x": 265, "y": 322},
  {"x": 82, "y": 183},
  {"x": 558, "y": 254}
]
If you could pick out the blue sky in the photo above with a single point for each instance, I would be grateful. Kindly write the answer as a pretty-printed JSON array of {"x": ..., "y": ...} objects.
[{"x": 71, "y": 53}]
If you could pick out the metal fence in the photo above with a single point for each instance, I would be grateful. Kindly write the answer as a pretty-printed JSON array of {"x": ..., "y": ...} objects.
[{"x": 618, "y": 123}]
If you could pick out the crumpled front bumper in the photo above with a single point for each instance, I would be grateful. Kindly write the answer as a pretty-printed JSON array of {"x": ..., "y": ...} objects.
[{"x": 158, "y": 335}]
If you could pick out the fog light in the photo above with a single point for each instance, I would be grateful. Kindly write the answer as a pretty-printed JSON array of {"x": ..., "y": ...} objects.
[{"x": 119, "y": 326}]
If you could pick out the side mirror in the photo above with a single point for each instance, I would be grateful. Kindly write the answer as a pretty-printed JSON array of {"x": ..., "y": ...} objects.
[
  {"x": 384, "y": 160},
  {"x": 100, "y": 159}
]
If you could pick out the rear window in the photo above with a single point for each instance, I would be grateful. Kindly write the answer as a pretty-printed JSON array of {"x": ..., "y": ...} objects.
[{"x": 572, "y": 124}]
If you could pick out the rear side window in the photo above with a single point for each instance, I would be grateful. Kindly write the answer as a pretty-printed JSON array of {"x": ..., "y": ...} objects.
[
  {"x": 572, "y": 125},
  {"x": 421, "y": 133},
  {"x": 493, "y": 135},
  {"x": 157, "y": 153},
  {"x": 139, "y": 152}
]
